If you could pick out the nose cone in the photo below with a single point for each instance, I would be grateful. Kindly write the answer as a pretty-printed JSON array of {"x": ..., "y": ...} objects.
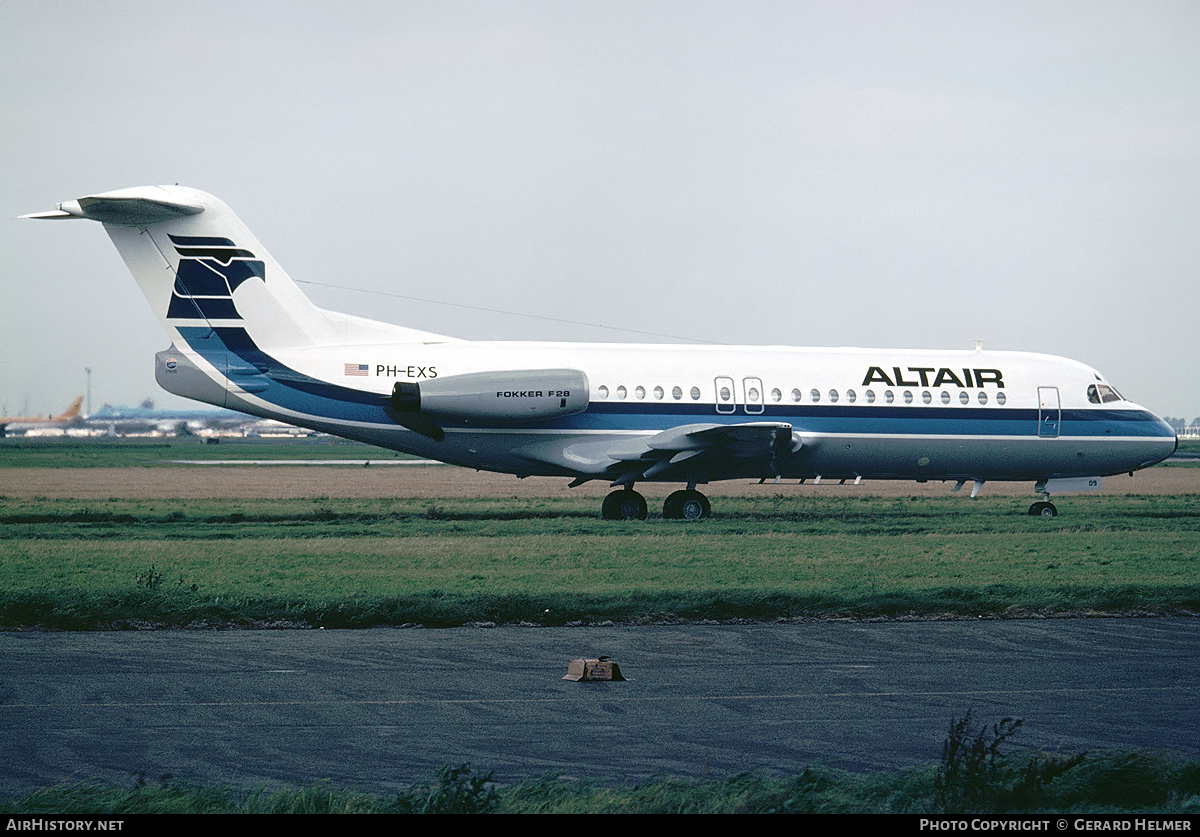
[{"x": 1161, "y": 441}]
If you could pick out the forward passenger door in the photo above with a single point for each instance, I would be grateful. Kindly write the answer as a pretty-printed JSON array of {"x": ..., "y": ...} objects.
[{"x": 1049, "y": 412}]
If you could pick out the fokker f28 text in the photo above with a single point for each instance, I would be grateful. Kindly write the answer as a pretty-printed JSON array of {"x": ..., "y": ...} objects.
[{"x": 244, "y": 336}]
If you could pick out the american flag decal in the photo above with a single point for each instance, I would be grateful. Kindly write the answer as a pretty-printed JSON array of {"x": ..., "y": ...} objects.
[{"x": 357, "y": 369}]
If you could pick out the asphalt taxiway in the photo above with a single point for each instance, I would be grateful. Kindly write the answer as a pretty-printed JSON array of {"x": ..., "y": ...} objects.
[{"x": 378, "y": 709}]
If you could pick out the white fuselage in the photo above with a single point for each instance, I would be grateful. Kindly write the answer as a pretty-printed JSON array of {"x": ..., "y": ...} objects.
[{"x": 870, "y": 413}]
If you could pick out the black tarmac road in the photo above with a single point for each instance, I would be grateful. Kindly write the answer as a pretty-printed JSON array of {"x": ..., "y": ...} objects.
[{"x": 379, "y": 709}]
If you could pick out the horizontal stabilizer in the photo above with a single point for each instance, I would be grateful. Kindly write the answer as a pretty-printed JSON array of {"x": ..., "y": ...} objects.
[
  {"x": 52, "y": 215},
  {"x": 123, "y": 208}
]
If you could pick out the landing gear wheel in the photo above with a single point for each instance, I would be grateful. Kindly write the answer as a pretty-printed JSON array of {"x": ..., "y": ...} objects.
[
  {"x": 686, "y": 505},
  {"x": 1043, "y": 510},
  {"x": 625, "y": 504},
  {"x": 671, "y": 506}
]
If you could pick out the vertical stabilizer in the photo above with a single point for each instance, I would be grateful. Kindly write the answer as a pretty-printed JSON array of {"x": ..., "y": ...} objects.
[
  {"x": 201, "y": 268},
  {"x": 224, "y": 301}
]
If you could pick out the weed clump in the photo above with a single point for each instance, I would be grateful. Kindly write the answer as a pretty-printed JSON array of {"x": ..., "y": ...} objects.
[
  {"x": 974, "y": 777},
  {"x": 455, "y": 791},
  {"x": 150, "y": 579}
]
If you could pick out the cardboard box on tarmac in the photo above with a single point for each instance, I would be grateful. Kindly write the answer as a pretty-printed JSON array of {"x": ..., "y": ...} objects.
[{"x": 603, "y": 668}]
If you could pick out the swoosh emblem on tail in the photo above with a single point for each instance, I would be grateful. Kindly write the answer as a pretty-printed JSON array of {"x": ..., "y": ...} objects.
[{"x": 211, "y": 268}]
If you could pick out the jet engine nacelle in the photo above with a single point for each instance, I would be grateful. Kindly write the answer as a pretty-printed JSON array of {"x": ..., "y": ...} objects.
[{"x": 522, "y": 395}]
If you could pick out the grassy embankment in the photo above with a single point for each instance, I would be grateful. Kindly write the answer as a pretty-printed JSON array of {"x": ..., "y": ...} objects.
[
  {"x": 356, "y": 563},
  {"x": 973, "y": 782}
]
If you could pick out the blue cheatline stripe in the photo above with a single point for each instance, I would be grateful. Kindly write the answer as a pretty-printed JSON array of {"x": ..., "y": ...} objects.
[
  {"x": 291, "y": 390},
  {"x": 884, "y": 420},
  {"x": 279, "y": 384}
]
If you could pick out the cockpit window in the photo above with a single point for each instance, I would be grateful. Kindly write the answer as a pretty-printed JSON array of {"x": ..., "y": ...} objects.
[{"x": 1102, "y": 394}]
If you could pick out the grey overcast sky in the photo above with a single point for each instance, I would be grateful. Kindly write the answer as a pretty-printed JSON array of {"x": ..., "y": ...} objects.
[{"x": 907, "y": 174}]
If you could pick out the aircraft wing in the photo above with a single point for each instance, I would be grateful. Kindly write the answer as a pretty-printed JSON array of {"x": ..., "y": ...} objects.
[{"x": 689, "y": 452}]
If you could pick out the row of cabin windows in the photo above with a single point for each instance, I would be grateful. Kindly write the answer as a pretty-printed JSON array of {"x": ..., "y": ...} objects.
[
  {"x": 639, "y": 392},
  {"x": 725, "y": 395}
]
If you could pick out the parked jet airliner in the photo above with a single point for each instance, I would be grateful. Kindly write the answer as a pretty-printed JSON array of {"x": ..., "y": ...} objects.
[
  {"x": 244, "y": 336},
  {"x": 9, "y": 424}
]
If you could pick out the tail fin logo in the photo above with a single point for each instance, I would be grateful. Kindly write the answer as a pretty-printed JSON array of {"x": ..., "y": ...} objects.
[{"x": 210, "y": 270}]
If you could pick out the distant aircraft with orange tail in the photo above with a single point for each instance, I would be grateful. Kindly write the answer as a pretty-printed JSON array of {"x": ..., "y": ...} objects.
[{"x": 11, "y": 423}]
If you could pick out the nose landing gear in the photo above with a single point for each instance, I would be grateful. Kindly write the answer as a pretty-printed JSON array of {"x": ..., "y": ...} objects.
[{"x": 1043, "y": 509}]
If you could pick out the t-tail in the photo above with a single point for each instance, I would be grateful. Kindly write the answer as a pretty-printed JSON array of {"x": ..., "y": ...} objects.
[{"x": 224, "y": 301}]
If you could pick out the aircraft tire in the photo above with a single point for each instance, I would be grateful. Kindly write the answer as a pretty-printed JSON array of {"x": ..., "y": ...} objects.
[
  {"x": 686, "y": 505},
  {"x": 625, "y": 504},
  {"x": 671, "y": 506},
  {"x": 1043, "y": 510}
]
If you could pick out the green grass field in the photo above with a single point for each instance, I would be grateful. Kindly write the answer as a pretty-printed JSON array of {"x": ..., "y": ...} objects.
[
  {"x": 351, "y": 563},
  {"x": 356, "y": 563}
]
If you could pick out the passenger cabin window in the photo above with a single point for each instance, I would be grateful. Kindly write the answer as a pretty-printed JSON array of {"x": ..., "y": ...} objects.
[
  {"x": 677, "y": 393},
  {"x": 695, "y": 393},
  {"x": 602, "y": 392}
]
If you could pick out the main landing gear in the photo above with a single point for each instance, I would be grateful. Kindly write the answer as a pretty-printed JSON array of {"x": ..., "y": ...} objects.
[
  {"x": 688, "y": 504},
  {"x": 627, "y": 504}
]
